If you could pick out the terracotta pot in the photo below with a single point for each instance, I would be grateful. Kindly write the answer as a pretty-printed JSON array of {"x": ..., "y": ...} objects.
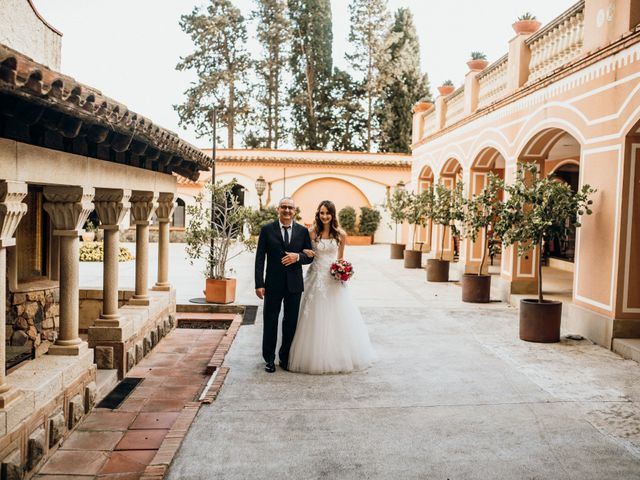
[
  {"x": 476, "y": 65},
  {"x": 525, "y": 27},
  {"x": 412, "y": 259},
  {"x": 437, "y": 270},
  {"x": 422, "y": 107},
  {"x": 476, "y": 288},
  {"x": 358, "y": 240},
  {"x": 88, "y": 236},
  {"x": 397, "y": 251},
  {"x": 540, "y": 322},
  {"x": 220, "y": 290},
  {"x": 446, "y": 89}
]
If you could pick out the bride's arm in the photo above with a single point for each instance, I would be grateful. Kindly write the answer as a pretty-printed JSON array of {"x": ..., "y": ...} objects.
[
  {"x": 343, "y": 240},
  {"x": 312, "y": 235}
]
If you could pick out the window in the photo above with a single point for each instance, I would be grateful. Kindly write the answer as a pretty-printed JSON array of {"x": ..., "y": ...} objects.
[
  {"x": 32, "y": 238},
  {"x": 178, "y": 219}
]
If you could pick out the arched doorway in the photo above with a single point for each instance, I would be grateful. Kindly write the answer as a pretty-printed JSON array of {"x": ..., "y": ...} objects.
[
  {"x": 488, "y": 161},
  {"x": 339, "y": 191},
  {"x": 178, "y": 218},
  {"x": 450, "y": 176},
  {"x": 425, "y": 181}
]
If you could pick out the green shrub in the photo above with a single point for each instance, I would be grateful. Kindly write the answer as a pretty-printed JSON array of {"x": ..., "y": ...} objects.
[
  {"x": 347, "y": 219},
  {"x": 369, "y": 220},
  {"x": 478, "y": 56}
]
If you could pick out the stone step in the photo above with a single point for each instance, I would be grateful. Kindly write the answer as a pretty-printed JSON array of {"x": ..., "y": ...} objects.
[
  {"x": 106, "y": 380},
  {"x": 627, "y": 347}
]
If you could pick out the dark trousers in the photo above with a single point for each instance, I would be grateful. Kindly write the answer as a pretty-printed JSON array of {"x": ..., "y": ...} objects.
[{"x": 272, "y": 303}]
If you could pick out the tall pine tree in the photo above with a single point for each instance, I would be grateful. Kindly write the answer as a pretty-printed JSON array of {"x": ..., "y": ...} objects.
[
  {"x": 348, "y": 127},
  {"x": 273, "y": 32},
  {"x": 221, "y": 62},
  {"x": 367, "y": 34},
  {"x": 402, "y": 84},
  {"x": 311, "y": 67}
]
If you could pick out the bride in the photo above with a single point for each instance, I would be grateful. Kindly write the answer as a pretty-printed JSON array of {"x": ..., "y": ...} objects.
[{"x": 331, "y": 336}]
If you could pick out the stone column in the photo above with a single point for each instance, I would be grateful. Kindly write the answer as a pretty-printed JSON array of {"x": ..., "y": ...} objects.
[
  {"x": 111, "y": 206},
  {"x": 143, "y": 204},
  {"x": 68, "y": 207},
  {"x": 11, "y": 212},
  {"x": 166, "y": 206}
]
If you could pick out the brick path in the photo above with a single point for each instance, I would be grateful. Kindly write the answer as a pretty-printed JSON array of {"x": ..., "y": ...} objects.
[{"x": 139, "y": 439}]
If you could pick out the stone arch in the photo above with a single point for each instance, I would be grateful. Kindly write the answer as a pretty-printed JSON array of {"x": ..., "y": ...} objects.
[{"x": 341, "y": 192}]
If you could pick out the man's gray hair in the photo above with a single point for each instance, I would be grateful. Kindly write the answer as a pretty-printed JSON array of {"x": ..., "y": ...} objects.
[{"x": 286, "y": 198}]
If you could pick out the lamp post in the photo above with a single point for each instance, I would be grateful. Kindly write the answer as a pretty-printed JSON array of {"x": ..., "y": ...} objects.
[
  {"x": 400, "y": 186},
  {"x": 260, "y": 185},
  {"x": 213, "y": 189}
]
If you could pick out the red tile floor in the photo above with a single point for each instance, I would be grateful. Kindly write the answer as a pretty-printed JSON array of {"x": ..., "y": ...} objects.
[{"x": 138, "y": 439}]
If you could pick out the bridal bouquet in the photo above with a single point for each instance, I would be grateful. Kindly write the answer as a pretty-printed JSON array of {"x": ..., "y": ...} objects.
[{"x": 341, "y": 270}]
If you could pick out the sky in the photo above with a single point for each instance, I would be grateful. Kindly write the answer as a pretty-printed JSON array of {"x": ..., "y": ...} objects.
[{"x": 128, "y": 49}]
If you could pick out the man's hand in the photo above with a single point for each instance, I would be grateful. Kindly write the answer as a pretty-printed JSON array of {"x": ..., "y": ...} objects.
[
  {"x": 309, "y": 253},
  {"x": 290, "y": 259},
  {"x": 260, "y": 293}
]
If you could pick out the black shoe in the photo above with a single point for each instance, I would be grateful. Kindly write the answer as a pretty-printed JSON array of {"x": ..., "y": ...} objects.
[
  {"x": 270, "y": 367},
  {"x": 284, "y": 366}
]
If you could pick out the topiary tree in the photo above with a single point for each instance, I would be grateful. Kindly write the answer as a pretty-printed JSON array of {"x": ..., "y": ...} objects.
[
  {"x": 396, "y": 208},
  {"x": 540, "y": 209},
  {"x": 447, "y": 209},
  {"x": 418, "y": 209},
  {"x": 369, "y": 221},
  {"x": 481, "y": 212},
  {"x": 347, "y": 219}
]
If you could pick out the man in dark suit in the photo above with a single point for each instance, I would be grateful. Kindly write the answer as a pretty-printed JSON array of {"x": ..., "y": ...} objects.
[{"x": 281, "y": 243}]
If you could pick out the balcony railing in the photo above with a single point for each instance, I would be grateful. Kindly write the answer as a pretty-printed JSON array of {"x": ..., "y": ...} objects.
[
  {"x": 493, "y": 82},
  {"x": 455, "y": 106},
  {"x": 429, "y": 123},
  {"x": 557, "y": 43}
]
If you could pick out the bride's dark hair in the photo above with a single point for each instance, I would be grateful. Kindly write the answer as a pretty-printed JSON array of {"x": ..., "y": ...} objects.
[{"x": 333, "y": 226}]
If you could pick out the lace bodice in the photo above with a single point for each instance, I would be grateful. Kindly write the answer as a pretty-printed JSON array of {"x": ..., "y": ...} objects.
[
  {"x": 318, "y": 278},
  {"x": 326, "y": 250}
]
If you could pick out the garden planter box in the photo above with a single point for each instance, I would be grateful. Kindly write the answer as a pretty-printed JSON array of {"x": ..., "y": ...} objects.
[{"x": 359, "y": 239}]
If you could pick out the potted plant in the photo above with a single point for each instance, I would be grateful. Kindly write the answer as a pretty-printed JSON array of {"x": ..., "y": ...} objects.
[
  {"x": 348, "y": 221},
  {"x": 446, "y": 210},
  {"x": 526, "y": 24},
  {"x": 481, "y": 214},
  {"x": 369, "y": 221},
  {"x": 422, "y": 107},
  {"x": 446, "y": 88},
  {"x": 90, "y": 229},
  {"x": 215, "y": 240},
  {"x": 539, "y": 209},
  {"x": 396, "y": 208},
  {"x": 478, "y": 61},
  {"x": 418, "y": 207}
]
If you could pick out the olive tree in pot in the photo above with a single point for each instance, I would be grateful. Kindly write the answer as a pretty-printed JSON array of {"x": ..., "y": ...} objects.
[
  {"x": 417, "y": 212},
  {"x": 481, "y": 214},
  {"x": 218, "y": 241},
  {"x": 446, "y": 210},
  {"x": 537, "y": 210},
  {"x": 396, "y": 208}
]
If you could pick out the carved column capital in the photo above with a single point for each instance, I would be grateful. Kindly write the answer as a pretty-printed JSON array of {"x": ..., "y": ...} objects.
[
  {"x": 143, "y": 204},
  {"x": 68, "y": 207},
  {"x": 166, "y": 206},
  {"x": 11, "y": 210},
  {"x": 112, "y": 204}
]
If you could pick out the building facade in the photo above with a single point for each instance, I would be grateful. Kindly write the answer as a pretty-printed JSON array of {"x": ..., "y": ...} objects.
[
  {"x": 566, "y": 97},
  {"x": 65, "y": 151}
]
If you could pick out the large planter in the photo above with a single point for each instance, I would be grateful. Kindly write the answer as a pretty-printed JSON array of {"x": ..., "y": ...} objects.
[
  {"x": 525, "y": 27},
  {"x": 476, "y": 288},
  {"x": 220, "y": 290},
  {"x": 359, "y": 239},
  {"x": 89, "y": 236},
  {"x": 397, "y": 251},
  {"x": 540, "y": 322},
  {"x": 475, "y": 65},
  {"x": 422, "y": 107},
  {"x": 437, "y": 270},
  {"x": 446, "y": 90},
  {"x": 412, "y": 259}
]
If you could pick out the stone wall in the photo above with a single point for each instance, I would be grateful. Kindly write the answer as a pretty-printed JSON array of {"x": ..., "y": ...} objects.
[{"x": 33, "y": 319}]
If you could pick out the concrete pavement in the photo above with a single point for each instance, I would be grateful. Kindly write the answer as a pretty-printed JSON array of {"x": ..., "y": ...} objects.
[{"x": 453, "y": 394}]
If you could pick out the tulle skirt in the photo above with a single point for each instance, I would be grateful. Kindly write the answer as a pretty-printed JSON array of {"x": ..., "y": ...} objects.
[{"x": 331, "y": 336}]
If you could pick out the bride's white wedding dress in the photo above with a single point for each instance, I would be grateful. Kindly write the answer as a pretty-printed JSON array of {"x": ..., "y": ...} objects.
[{"x": 331, "y": 336}]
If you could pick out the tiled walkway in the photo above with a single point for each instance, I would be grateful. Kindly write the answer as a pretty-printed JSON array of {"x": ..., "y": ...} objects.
[{"x": 138, "y": 439}]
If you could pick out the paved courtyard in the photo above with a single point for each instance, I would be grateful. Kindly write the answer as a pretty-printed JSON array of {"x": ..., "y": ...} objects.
[{"x": 453, "y": 394}]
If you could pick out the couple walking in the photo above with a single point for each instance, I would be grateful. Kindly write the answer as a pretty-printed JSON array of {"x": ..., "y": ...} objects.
[{"x": 322, "y": 330}]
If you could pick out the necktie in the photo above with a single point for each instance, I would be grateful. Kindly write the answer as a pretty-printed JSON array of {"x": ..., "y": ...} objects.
[{"x": 286, "y": 235}]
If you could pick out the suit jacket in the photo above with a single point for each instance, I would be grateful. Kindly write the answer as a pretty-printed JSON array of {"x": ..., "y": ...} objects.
[{"x": 281, "y": 278}]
